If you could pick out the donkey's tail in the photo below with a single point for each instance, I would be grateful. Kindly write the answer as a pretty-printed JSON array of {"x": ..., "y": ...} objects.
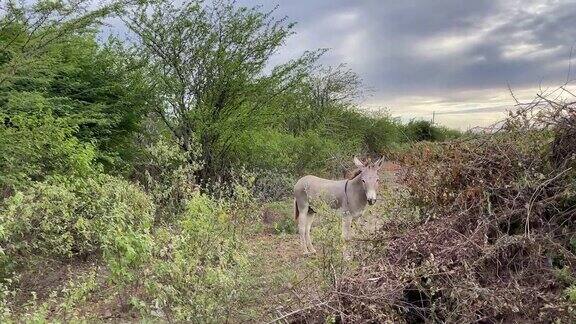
[{"x": 296, "y": 212}]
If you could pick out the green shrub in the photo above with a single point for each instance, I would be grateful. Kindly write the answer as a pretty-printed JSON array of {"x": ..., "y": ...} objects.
[
  {"x": 285, "y": 225},
  {"x": 330, "y": 246},
  {"x": 39, "y": 144},
  {"x": 367, "y": 131},
  {"x": 423, "y": 130},
  {"x": 7, "y": 294},
  {"x": 267, "y": 149},
  {"x": 280, "y": 215},
  {"x": 64, "y": 218},
  {"x": 571, "y": 293},
  {"x": 272, "y": 185},
  {"x": 195, "y": 273},
  {"x": 381, "y": 133},
  {"x": 167, "y": 175},
  {"x": 307, "y": 152}
]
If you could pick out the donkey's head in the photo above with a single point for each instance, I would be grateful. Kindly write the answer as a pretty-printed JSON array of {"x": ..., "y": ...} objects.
[{"x": 369, "y": 177}]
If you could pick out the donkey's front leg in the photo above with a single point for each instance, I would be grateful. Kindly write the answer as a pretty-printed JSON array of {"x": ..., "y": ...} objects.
[
  {"x": 346, "y": 228},
  {"x": 302, "y": 222},
  {"x": 309, "y": 220}
]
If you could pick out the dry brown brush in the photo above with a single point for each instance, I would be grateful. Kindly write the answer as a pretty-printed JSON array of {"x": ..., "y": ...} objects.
[{"x": 496, "y": 241}]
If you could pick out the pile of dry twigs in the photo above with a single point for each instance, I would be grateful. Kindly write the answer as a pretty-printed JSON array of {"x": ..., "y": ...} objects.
[{"x": 496, "y": 241}]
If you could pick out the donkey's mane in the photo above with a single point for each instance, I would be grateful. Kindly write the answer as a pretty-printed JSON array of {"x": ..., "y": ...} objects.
[{"x": 354, "y": 174}]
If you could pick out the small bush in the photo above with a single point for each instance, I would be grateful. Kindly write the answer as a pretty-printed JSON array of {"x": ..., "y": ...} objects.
[
  {"x": 167, "y": 176},
  {"x": 330, "y": 246},
  {"x": 66, "y": 218},
  {"x": 196, "y": 271},
  {"x": 272, "y": 186},
  {"x": 278, "y": 217},
  {"x": 423, "y": 130},
  {"x": 571, "y": 293},
  {"x": 285, "y": 225}
]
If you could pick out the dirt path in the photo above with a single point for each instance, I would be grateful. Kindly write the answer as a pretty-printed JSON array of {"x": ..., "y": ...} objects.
[{"x": 285, "y": 280}]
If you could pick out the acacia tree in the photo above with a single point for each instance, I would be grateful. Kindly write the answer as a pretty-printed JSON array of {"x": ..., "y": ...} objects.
[
  {"x": 27, "y": 29},
  {"x": 334, "y": 85},
  {"x": 210, "y": 68},
  {"x": 322, "y": 97}
]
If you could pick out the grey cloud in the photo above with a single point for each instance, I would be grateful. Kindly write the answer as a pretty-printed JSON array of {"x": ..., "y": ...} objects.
[
  {"x": 494, "y": 42},
  {"x": 476, "y": 110}
]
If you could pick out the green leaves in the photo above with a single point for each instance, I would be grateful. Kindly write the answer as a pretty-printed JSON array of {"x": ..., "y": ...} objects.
[
  {"x": 197, "y": 270},
  {"x": 39, "y": 144},
  {"x": 69, "y": 217},
  {"x": 73, "y": 102}
]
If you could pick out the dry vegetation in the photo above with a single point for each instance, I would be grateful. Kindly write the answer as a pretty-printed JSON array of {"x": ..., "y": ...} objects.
[{"x": 496, "y": 239}]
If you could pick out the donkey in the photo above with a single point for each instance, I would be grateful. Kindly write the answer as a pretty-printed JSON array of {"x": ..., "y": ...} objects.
[{"x": 349, "y": 196}]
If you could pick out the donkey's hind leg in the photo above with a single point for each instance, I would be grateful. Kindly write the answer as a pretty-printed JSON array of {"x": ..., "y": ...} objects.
[
  {"x": 302, "y": 221},
  {"x": 309, "y": 221}
]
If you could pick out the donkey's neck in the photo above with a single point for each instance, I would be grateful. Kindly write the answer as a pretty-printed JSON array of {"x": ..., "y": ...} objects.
[{"x": 356, "y": 193}]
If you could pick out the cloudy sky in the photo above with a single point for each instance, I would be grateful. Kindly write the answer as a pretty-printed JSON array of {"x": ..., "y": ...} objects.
[{"x": 448, "y": 56}]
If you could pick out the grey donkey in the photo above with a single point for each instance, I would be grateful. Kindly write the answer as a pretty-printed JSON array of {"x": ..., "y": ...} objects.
[{"x": 349, "y": 196}]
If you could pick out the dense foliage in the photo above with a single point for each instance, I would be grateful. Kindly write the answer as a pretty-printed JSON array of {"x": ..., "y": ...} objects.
[
  {"x": 72, "y": 217},
  {"x": 61, "y": 90},
  {"x": 195, "y": 274}
]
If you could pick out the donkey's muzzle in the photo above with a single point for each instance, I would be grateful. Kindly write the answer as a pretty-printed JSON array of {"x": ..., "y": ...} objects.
[{"x": 371, "y": 201}]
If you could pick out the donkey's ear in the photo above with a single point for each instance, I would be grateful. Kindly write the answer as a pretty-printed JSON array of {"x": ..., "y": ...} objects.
[
  {"x": 358, "y": 162},
  {"x": 379, "y": 162}
]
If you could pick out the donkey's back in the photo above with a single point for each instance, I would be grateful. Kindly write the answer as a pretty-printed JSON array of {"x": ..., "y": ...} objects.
[{"x": 312, "y": 187}]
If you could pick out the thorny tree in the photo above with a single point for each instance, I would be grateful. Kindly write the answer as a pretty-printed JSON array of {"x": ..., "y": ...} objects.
[
  {"x": 322, "y": 96},
  {"x": 28, "y": 30},
  {"x": 210, "y": 65}
]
